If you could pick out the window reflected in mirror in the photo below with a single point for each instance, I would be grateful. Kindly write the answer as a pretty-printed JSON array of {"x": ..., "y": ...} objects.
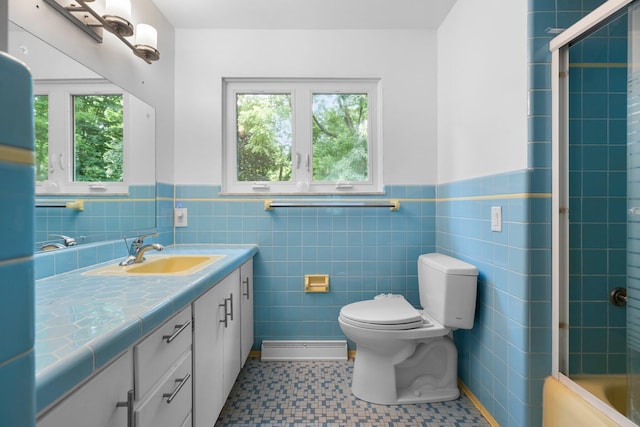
[{"x": 98, "y": 138}]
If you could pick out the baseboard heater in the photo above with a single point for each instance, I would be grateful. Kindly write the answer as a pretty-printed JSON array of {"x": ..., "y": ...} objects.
[{"x": 304, "y": 350}]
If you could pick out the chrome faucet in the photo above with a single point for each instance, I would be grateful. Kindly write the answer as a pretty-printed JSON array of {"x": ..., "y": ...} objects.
[
  {"x": 140, "y": 255},
  {"x": 68, "y": 241},
  {"x": 137, "y": 250}
]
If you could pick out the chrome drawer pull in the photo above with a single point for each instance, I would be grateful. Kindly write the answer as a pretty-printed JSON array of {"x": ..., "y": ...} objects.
[
  {"x": 231, "y": 300},
  {"x": 181, "y": 382},
  {"x": 224, "y": 304},
  {"x": 129, "y": 405},
  {"x": 246, "y": 282},
  {"x": 173, "y": 336}
]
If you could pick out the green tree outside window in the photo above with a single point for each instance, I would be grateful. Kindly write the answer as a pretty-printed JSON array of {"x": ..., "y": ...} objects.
[
  {"x": 41, "y": 121},
  {"x": 98, "y": 136}
]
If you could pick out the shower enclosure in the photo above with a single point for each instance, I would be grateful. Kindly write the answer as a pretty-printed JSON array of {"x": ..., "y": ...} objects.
[
  {"x": 596, "y": 208},
  {"x": 633, "y": 223}
]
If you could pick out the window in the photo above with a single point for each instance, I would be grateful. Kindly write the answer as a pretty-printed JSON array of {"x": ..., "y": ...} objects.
[
  {"x": 41, "y": 115},
  {"x": 301, "y": 136},
  {"x": 80, "y": 137}
]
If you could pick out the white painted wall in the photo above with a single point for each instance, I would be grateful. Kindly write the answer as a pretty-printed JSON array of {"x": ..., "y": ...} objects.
[
  {"x": 153, "y": 83},
  {"x": 405, "y": 60},
  {"x": 482, "y": 89}
]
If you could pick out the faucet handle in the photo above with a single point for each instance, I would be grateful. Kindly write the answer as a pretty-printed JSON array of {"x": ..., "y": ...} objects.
[{"x": 139, "y": 239}]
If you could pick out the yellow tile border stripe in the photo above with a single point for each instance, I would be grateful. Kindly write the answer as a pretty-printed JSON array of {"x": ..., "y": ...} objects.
[
  {"x": 436, "y": 199},
  {"x": 496, "y": 196},
  {"x": 20, "y": 156}
]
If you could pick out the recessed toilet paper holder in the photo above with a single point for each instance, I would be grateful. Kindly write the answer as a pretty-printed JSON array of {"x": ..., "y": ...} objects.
[{"x": 316, "y": 283}]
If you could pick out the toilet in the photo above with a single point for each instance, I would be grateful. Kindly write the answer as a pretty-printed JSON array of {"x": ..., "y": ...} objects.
[{"x": 405, "y": 355}]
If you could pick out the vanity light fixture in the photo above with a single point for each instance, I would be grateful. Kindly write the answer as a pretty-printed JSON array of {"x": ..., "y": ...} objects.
[
  {"x": 117, "y": 13},
  {"x": 116, "y": 19}
]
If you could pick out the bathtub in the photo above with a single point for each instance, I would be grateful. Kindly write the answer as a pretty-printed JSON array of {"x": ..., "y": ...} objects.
[
  {"x": 611, "y": 389},
  {"x": 565, "y": 402}
]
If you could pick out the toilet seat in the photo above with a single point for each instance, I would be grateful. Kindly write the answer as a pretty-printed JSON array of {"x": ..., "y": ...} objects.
[{"x": 391, "y": 312}]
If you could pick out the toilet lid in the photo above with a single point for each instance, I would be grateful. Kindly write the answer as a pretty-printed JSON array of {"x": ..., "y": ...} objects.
[{"x": 384, "y": 313}]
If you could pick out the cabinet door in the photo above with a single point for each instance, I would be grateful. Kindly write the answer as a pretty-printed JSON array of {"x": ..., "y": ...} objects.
[
  {"x": 232, "y": 332},
  {"x": 246, "y": 310},
  {"x": 216, "y": 348},
  {"x": 208, "y": 398},
  {"x": 96, "y": 402}
]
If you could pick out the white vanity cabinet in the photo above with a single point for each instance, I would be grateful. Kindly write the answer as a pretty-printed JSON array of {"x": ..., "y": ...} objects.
[
  {"x": 179, "y": 375},
  {"x": 246, "y": 310},
  {"x": 216, "y": 348},
  {"x": 104, "y": 401}
]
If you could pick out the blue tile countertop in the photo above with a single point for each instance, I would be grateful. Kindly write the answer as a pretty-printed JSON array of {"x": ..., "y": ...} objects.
[{"x": 84, "y": 321}]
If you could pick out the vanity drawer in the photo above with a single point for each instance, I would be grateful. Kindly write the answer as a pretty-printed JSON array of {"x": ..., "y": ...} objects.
[
  {"x": 170, "y": 403},
  {"x": 160, "y": 350}
]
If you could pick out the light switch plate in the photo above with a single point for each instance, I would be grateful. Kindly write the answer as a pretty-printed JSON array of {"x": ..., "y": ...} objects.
[
  {"x": 496, "y": 218},
  {"x": 180, "y": 217}
]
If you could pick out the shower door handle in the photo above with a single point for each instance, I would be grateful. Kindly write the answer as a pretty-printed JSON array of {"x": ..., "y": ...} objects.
[
  {"x": 618, "y": 297},
  {"x": 635, "y": 211}
]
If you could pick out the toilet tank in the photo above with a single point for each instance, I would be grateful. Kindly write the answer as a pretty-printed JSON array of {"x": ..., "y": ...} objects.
[{"x": 448, "y": 288}]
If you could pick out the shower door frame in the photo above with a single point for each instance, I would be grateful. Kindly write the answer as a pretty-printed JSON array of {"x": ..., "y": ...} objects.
[{"x": 559, "y": 47}]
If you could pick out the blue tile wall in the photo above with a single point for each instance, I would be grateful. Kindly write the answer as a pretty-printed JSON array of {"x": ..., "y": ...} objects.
[
  {"x": 164, "y": 212},
  {"x": 17, "y": 398},
  {"x": 103, "y": 217},
  {"x": 597, "y": 200},
  {"x": 365, "y": 251},
  {"x": 506, "y": 356}
]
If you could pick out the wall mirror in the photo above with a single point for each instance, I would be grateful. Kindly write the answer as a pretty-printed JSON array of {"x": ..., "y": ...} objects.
[{"x": 105, "y": 193}]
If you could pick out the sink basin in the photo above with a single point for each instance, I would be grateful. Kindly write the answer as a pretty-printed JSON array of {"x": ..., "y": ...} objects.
[{"x": 160, "y": 265}]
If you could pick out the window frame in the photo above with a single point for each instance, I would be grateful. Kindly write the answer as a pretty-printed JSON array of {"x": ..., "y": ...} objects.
[
  {"x": 301, "y": 90},
  {"x": 62, "y": 139}
]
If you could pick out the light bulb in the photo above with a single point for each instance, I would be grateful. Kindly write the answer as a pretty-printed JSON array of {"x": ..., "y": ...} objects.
[
  {"x": 119, "y": 8},
  {"x": 146, "y": 35}
]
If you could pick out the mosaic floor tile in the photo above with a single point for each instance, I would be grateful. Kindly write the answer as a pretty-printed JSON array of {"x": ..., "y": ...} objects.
[{"x": 314, "y": 393}]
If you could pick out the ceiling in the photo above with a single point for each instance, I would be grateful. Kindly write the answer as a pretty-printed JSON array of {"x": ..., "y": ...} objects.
[{"x": 305, "y": 14}]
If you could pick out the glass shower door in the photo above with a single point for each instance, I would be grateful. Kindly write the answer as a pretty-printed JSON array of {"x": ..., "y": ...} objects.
[{"x": 633, "y": 217}]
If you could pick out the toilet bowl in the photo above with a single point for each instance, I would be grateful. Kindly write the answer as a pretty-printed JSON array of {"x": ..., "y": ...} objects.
[{"x": 405, "y": 355}]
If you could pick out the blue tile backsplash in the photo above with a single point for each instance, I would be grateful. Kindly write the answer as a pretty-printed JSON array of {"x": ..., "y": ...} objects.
[{"x": 131, "y": 212}]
